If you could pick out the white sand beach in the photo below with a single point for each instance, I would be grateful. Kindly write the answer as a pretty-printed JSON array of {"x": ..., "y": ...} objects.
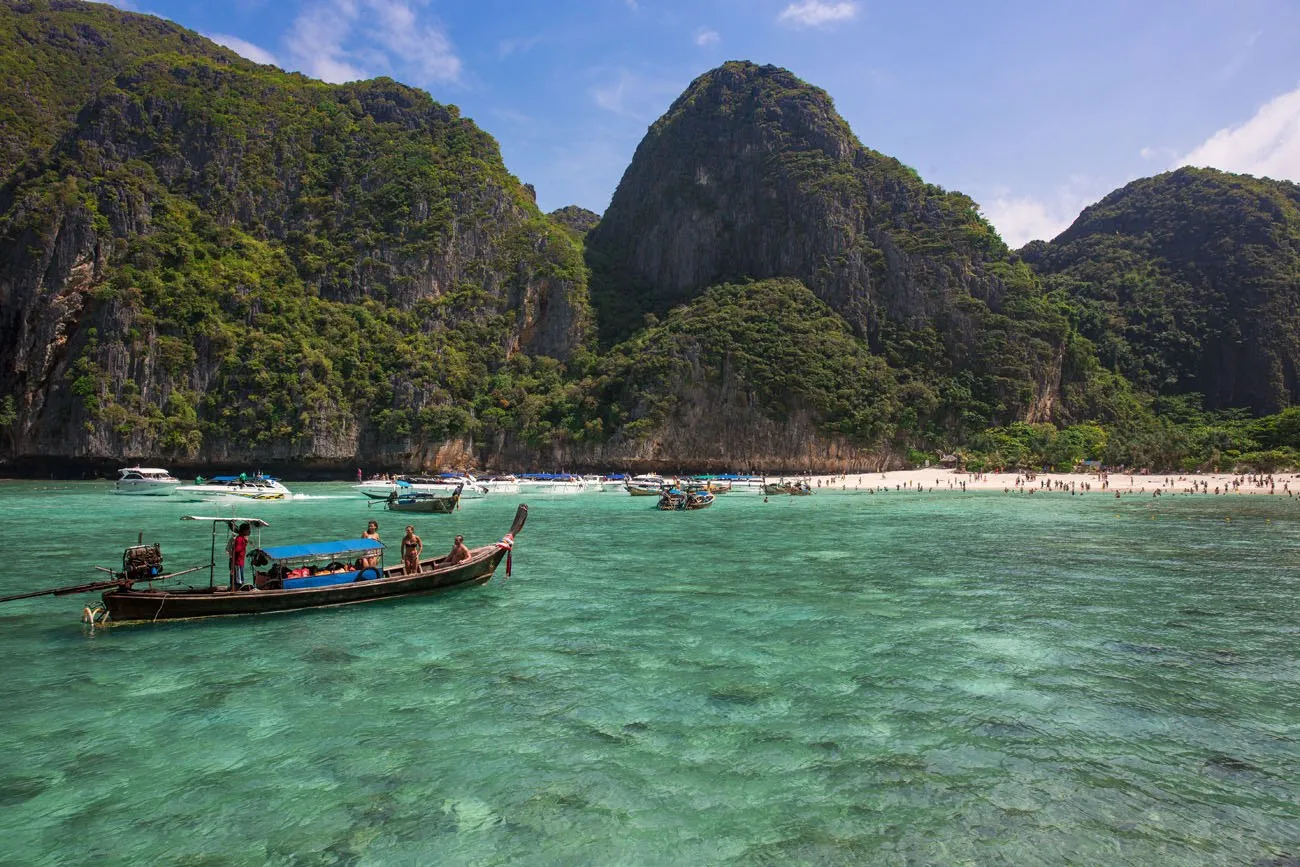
[{"x": 1109, "y": 484}]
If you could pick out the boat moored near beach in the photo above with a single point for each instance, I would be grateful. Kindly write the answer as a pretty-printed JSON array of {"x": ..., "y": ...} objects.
[
  {"x": 419, "y": 501},
  {"x": 800, "y": 488},
  {"x": 442, "y": 485},
  {"x": 243, "y": 487},
  {"x": 145, "y": 482},
  {"x": 678, "y": 500},
  {"x": 551, "y": 483},
  {"x": 645, "y": 485}
]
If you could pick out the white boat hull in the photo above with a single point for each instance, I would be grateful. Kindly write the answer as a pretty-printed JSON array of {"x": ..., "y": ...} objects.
[
  {"x": 145, "y": 489},
  {"x": 549, "y": 488},
  {"x": 382, "y": 490},
  {"x": 203, "y": 492}
]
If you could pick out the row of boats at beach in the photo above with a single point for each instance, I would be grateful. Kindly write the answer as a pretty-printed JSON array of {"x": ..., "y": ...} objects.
[
  {"x": 345, "y": 571},
  {"x": 155, "y": 481}
]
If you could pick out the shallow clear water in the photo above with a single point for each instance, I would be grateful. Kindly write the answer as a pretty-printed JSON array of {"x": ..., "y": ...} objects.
[{"x": 842, "y": 679}]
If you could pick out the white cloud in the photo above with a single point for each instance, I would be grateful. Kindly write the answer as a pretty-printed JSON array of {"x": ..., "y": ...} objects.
[
  {"x": 610, "y": 96},
  {"x": 1157, "y": 153},
  {"x": 243, "y": 48},
  {"x": 1267, "y": 145},
  {"x": 316, "y": 41},
  {"x": 815, "y": 13},
  {"x": 1024, "y": 219},
  {"x": 344, "y": 40},
  {"x": 704, "y": 37},
  {"x": 421, "y": 47},
  {"x": 507, "y": 47},
  {"x": 632, "y": 95},
  {"x": 1021, "y": 219}
]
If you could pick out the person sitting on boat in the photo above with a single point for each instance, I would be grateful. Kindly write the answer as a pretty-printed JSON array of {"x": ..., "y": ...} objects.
[
  {"x": 459, "y": 553},
  {"x": 412, "y": 546},
  {"x": 238, "y": 550}
]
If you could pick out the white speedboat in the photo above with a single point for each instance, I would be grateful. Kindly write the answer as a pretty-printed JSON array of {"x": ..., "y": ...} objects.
[
  {"x": 550, "y": 483},
  {"x": 145, "y": 482},
  {"x": 242, "y": 486},
  {"x": 751, "y": 484},
  {"x": 602, "y": 484},
  {"x": 443, "y": 486},
  {"x": 645, "y": 485},
  {"x": 506, "y": 484}
]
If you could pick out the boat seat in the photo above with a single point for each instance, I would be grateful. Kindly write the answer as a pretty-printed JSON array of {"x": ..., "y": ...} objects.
[{"x": 323, "y": 580}]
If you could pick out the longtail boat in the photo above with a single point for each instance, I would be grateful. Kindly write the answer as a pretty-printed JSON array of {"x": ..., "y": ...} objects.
[
  {"x": 794, "y": 489},
  {"x": 677, "y": 500},
  {"x": 419, "y": 501},
  {"x": 279, "y": 587}
]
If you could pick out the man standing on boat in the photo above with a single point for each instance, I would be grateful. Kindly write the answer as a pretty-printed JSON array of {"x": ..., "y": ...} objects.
[{"x": 238, "y": 550}]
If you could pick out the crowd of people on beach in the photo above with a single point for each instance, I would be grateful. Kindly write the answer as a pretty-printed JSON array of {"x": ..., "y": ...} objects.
[{"x": 1028, "y": 482}]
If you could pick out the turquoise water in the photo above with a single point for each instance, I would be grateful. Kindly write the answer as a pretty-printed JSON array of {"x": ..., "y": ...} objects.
[{"x": 842, "y": 679}]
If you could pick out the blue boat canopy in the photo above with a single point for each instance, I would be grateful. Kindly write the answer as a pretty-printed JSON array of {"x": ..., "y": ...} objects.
[{"x": 320, "y": 550}]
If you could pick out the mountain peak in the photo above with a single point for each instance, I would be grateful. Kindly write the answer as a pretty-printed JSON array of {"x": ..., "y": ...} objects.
[{"x": 780, "y": 108}]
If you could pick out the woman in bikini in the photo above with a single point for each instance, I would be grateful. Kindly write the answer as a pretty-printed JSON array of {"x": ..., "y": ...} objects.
[
  {"x": 372, "y": 532},
  {"x": 412, "y": 546}
]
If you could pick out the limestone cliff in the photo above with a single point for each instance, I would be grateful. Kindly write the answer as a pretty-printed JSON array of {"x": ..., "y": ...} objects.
[
  {"x": 752, "y": 174},
  {"x": 215, "y": 259},
  {"x": 1187, "y": 283}
]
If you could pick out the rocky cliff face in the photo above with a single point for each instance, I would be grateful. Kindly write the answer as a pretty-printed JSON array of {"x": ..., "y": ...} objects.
[
  {"x": 577, "y": 220},
  {"x": 752, "y": 174},
  {"x": 1187, "y": 283},
  {"x": 222, "y": 260}
]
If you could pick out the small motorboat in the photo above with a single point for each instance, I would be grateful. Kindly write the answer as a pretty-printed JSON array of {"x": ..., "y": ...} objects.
[
  {"x": 242, "y": 487},
  {"x": 645, "y": 485},
  {"x": 145, "y": 482},
  {"x": 551, "y": 483},
  {"x": 503, "y": 484},
  {"x": 442, "y": 485}
]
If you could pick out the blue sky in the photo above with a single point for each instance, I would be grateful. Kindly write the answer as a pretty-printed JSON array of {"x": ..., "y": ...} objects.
[{"x": 1035, "y": 109}]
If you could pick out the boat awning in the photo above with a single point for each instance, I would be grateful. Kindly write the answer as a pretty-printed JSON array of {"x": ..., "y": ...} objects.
[
  {"x": 252, "y": 522},
  {"x": 315, "y": 550}
]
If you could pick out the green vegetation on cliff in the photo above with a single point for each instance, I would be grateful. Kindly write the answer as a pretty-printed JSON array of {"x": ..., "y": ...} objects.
[
  {"x": 752, "y": 174},
  {"x": 1186, "y": 283},
  {"x": 202, "y": 258},
  {"x": 263, "y": 262},
  {"x": 772, "y": 341},
  {"x": 56, "y": 54}
]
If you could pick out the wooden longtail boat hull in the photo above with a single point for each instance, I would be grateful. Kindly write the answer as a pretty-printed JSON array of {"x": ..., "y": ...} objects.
[
  {"x": 126, "y": 605},
  {"x": 434, "y": 506}
]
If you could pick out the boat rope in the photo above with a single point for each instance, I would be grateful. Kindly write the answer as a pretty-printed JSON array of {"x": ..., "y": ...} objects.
[
  {"x": 158, "y": 613},
  {"x": 507, "y": 543},
  {"x": 94, "y": 615}
]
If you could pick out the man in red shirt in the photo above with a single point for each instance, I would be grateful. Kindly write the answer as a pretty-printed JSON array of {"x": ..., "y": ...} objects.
[{"x": 238, "y": 548}]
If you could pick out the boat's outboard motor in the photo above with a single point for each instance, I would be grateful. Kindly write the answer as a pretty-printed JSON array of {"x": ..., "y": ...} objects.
[{"x": 142, "y": 562}]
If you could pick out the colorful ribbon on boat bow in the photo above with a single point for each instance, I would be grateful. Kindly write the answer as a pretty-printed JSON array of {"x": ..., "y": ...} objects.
[{"x": 508, "y": 543}]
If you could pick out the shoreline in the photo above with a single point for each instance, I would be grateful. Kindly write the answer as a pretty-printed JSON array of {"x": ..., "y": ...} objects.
[
  {"x": 1082, "y": 484},
  {"x": 937, "y": 479}
]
